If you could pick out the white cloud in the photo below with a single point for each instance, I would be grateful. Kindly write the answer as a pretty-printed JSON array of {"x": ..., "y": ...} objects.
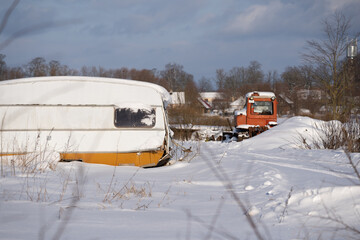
[
  {"x": 334, "y": 5},
  {"x": 286, "y": 17},
  {"x": 254, "y": 17}
]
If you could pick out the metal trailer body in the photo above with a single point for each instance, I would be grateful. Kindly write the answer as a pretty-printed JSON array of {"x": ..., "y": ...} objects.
[{"x": 90, "y": 119}]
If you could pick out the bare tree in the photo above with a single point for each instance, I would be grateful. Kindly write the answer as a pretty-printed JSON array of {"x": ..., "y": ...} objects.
[
  {"x": 220, "y": 79},
  {"x": 121, "y": 73},
  {"x": 54, "y": 68},
  {"x": 15, "y": 72},
  {"x": 191, "y": 93},
  {"x": 327, "y": 57},
  {"x": 297, "y": 79},
  {"x": 271, "y": 78},
  {"x": 205, "y": 85},
  {"x": 37, "y": 67},
  {"x": 254, "y": 74},
  {"x": 3, "y": 68},
  {"x": 240, "y": 80},
  {"x": 176, "y": 77},
  {"x": 234, "y": 81},
  {"x": 145, "y": 75}
]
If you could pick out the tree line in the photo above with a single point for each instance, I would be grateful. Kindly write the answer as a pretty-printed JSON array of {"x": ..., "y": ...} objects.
[
  {"x": 326, "y": 68},
  {"x": 233, "y": 83}
]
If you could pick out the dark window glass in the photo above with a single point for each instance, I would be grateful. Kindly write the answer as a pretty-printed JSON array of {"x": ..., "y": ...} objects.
[
  {"x": 262, "y": 108},
  {"x": 135, "y": 118}
]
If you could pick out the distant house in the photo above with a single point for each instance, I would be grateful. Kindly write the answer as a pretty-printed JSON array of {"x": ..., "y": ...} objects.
[
  {"x": 210, "y": 97},
  {"x": 177, "y": 98},
  {"x": 302, "y": 102},
  {"x": 285, "y": 105},
  {"x": 238, "y": 104},
  {"x": 207, "y": 107},
  {"x": 305, "y": 94},
  {"x": 209, "y": 101}
]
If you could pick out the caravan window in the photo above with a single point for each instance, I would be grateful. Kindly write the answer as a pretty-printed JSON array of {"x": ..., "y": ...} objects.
[{"x": 135, "y": 117}]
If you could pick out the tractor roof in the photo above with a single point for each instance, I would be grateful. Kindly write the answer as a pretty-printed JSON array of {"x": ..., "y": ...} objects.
[{"x": 261, "y": 94}]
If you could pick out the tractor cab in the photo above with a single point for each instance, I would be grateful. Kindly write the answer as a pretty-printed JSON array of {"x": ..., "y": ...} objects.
[
  {"x": 258, "y": 114},
  {"x": 260, "y": 110}
]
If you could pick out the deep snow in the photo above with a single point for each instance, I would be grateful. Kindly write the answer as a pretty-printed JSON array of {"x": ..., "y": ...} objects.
[{"x": 289, "y": 192}]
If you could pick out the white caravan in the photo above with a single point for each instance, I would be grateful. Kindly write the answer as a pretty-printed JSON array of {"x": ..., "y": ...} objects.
[{"x": 90, "y": 119}]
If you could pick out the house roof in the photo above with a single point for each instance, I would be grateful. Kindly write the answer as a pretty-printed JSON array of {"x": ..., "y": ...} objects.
[
  {"x": 285, "y": 98},
  {"x": 204, "y": 103},
  {"x": 211, "y": 95},
  {"x": 177, "y": 98},
  {"x": 238, "y": 102}
]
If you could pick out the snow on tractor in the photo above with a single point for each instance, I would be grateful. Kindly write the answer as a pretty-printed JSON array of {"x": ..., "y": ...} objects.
[{"x": 258, "y": 115}]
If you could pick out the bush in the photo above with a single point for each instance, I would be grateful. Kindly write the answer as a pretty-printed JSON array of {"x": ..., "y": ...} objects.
[
  {"x": 336, "y": 135},
  {"x": 183, "y": 119}
]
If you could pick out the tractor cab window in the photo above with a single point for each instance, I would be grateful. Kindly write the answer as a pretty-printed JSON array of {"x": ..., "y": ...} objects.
[
  {"x": 135, "y": 117},
  {"x": 262, "y": 108}
]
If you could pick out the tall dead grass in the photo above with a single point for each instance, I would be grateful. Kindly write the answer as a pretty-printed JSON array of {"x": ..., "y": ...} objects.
[{"x": 334, "y": 135}]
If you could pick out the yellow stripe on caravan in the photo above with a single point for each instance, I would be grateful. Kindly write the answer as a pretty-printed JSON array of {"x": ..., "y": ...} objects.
[
  {"x": 143, "y": 159},
  {"x": 11, "y": 154}
]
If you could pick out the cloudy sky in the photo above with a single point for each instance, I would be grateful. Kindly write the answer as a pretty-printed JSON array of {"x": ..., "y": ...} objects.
[{"x": 201, "y": 35}]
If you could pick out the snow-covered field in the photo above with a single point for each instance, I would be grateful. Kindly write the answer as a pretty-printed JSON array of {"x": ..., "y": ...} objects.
[{"x": 212, "y": 192}]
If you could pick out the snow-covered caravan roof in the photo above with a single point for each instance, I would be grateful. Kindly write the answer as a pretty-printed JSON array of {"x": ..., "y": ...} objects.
[
  {"x": 81, "y": 90},
  {"x": 261, "y": 94}
]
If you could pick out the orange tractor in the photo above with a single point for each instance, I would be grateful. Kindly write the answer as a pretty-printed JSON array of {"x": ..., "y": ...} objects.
[{"x": 258, "y": 115}]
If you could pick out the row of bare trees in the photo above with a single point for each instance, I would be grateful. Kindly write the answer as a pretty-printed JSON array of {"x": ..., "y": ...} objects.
[
  {"x": 239, "y": 80},
  {"x": 173, "y": 77},
  {"x": 334, "y": 73},
  {"x": 232, "y": 84}
]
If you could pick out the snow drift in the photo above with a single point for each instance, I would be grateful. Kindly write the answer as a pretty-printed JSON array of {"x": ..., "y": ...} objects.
[{"x": 288, "y": 191}]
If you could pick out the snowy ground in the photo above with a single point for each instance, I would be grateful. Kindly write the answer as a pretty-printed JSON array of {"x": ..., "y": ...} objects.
[{"x": 287, "y": 191}]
